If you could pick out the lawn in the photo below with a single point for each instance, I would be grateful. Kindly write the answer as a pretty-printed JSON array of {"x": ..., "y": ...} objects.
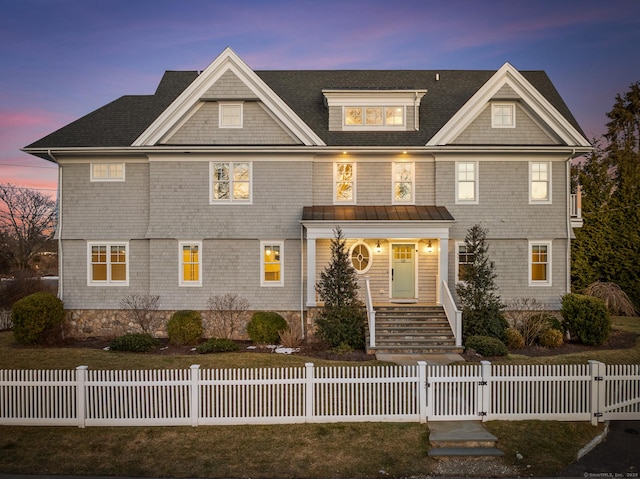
[{"x": 354, "y": 450}]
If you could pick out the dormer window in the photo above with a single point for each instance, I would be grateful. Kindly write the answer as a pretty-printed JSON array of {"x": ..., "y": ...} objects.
[
  {"x": 373, "y": 116},
  {"x": 373, "y": 110}
]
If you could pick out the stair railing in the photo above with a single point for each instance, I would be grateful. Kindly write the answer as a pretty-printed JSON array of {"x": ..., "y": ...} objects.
[
  {"x": 454, "y": 315},
  {"x": 371, "y": 313}
]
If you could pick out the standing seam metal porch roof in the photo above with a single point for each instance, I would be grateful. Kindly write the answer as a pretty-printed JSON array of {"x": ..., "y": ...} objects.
[{"x": 376, "y": 213}]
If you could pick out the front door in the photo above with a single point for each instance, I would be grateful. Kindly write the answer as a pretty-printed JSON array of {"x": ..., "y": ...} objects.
[{"x": 403, "y": 271}]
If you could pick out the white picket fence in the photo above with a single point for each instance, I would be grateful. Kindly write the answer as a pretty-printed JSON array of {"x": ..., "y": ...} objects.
[{"x": 81, "y": 397}]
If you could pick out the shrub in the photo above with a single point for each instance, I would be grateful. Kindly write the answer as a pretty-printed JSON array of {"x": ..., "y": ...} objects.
[
  {"x": 342, "y": 325},
  {"x": 586, "y": 318},
  {"x": 217, "y": 345},
  {"x": 514, "y": 339},
  {"x": 36, "y": 318},
  {"x": 529, "y": 317},
  {"x": 226, "y": 314},
  {"x": 134, "y": 342},
  {"x": 139, "y": 309},
  {"x": 184, "y": 327},
  {"x": 486, "y": 346},
  {"x": 616, "y": 300},
  {"x": 22, "y": 285},
  {"x": 291, "y": 337},
  {"x": 551, "y": 338},
  {"x": 265, "y": 327}
]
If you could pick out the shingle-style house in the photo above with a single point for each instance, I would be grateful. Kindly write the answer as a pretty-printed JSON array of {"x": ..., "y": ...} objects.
[{"x": 234, "y": 180}]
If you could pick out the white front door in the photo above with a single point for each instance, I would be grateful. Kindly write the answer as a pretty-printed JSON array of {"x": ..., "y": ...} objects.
[{"x": 403, "y": 271}]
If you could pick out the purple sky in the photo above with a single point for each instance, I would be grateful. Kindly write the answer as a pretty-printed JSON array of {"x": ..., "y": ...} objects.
[{"x": 61, "y": 59}]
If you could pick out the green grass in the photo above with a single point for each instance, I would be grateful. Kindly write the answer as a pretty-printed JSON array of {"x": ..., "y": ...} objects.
[{"x": 356, "y": 450}]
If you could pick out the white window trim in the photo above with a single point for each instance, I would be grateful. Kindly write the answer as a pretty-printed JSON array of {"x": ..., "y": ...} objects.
[
  {"x": 548, "y": 244},
  {"x": 548, "y": 200},
  {"x": 457, "y": 261},
  {"x": 353, "y": 246},
  {"x": 335, "y": 180},
  {"x": 395, "y": 201},
  {"x": 502, "y": 105},
  {"x": 263, "y": 282},
  {"x": 383, "y": 126},
  {"x": 230, "y": 201},
  {"x": 181, "y": 280},
  {"x": 92, "y": 178},
  {"x": 221, "y": 107},
  {"x": 476, "y": 189},
  {"x": 108, "y": 282}
]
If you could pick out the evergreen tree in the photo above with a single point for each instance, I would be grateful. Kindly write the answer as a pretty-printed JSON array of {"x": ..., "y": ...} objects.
[
  {"x": 341, "y": 320},
  {"x": 481, "y": 306},
  {"x": 607, "y": 247}
]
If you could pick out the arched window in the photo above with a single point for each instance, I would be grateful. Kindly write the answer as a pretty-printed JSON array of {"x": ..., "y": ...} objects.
[{"x": 361, "y": 257}]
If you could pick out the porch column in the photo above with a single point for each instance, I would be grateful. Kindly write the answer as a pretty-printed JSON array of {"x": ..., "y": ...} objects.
[
  {"x": 443, "y": 260},
  {"x": 311, "y": 271}
]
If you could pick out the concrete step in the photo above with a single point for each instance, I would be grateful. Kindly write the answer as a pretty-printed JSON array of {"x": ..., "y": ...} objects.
[
  {"x": 440, "y": 452},
  {"x": 460, "y": 439}
]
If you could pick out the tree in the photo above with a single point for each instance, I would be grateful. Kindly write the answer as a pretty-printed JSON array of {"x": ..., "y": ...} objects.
[
  {"x": 341, "y": 320},
  {"x": 27, "y": 222},
  {"x": 607, "y": 247},
  {"x": 481, "y": 306}
]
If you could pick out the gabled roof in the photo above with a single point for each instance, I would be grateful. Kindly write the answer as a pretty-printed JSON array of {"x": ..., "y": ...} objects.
[{"x": 296, "y": 98}]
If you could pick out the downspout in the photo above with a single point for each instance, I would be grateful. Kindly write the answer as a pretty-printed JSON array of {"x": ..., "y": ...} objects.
[
  {"x": 302, "y": 282},
  {"x": 59, "y": 227},
  {"x": 568, "y": 199}
]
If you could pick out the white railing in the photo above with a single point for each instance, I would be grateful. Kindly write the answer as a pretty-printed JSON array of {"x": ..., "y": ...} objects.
[
  {"x": 454, "y": 315},
  {"x": 371, "y": 313},
  {"x": 81, "y": 397}
]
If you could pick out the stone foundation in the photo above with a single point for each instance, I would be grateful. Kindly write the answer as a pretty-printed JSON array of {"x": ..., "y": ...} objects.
[{"x": 111, "y": 323}]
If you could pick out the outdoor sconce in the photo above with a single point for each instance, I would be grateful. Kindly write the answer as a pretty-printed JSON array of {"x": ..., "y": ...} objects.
[
  {"x": 378, "y": 247},
  {"x": 429, "y": 247}
]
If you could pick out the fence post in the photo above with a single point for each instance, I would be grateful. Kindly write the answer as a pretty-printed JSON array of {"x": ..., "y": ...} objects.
[
  {"x": 484, "y": 408},
  {"x": 309, "y": 391},
  {"x": 194, "y": 386},
  {"x": 422, "y": 391},
  {"x": 81, "y": 408},
  {"x": 597, "y": 370}
]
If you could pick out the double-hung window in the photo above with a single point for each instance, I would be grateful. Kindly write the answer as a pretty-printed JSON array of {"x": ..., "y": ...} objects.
[
  {"x": 107, "y": 171},
  {"x": 540, "y": 182},
  {"x": 190, "y": 263},
  {"x": 107, "y": 264},
  {"x": 344, "y": 183},
  {"x": 464, "y": 260},
  {"x": 271, "y": 258},
  {"x": 540, "y": 263},
  {"x": 403, "y": 181},
  {"x": 230, "y": 182},
  {"x": 467, "y": 182}
]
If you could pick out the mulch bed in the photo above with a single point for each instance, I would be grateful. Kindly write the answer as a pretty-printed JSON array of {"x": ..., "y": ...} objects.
[{"x": 617, "y": 340}]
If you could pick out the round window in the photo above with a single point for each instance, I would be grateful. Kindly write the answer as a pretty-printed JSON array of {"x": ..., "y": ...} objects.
[{"x": 361, "y": 257}]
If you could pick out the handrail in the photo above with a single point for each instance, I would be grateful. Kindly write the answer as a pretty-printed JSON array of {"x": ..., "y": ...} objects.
[
  {"x": 575, "y": 205},
  {"x": 454, "y": 315},
  {"x": 371, "y": 313}
]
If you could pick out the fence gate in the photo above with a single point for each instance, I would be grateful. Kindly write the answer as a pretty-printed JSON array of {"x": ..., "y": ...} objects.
[
  {"x": 456, "y": 392},
  {"x": 619, "y": 391}
]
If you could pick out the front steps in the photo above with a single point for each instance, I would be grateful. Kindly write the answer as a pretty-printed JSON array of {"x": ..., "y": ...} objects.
[
  {"x": 461, "y": 439},
  {"x": 412, "y": 329}
]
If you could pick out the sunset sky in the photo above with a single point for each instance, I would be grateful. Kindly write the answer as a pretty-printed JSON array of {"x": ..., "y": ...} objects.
[{"x": 61, "y": 59}]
